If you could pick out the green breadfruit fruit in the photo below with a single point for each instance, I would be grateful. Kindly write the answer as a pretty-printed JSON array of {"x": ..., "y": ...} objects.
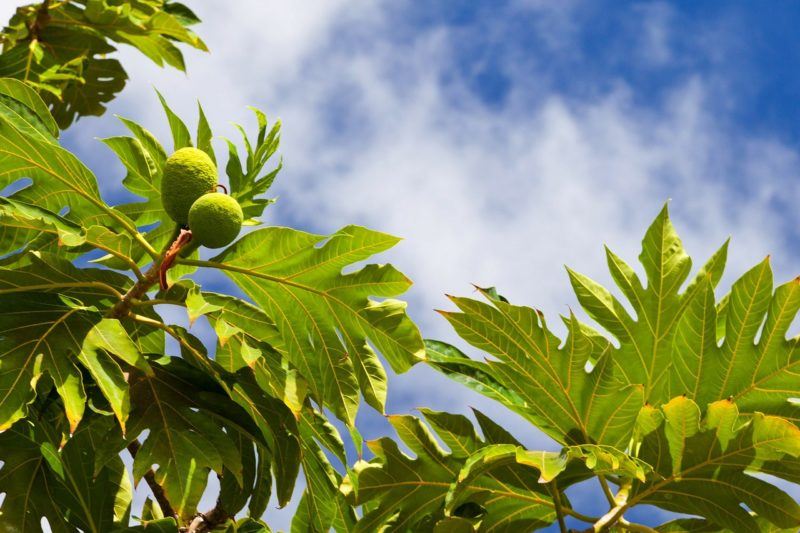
[
  {"x": 188, "y": 174},
  {"x": 215, "y": 220}
]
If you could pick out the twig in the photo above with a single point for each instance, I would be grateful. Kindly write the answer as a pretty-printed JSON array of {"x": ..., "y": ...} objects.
[
  {"x": 75, "y": 284},
  {"x": 155, "y": 488},
  {"x": 615, "y": 513},
  {"x": 580, "y": 516},
  {"x": 183, "y": 238},
  {"x": 172, "y": 333},
  {"x": 554, "y": 492},
  {"x": 638, "y": 528},
  {"x": 606, "y": 489}
]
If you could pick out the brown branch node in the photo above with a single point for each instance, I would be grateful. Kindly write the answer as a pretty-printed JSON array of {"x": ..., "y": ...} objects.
[{"x": 205, "y": 522}]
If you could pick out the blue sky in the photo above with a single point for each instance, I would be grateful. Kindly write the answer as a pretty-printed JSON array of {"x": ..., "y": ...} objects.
[{"x": 502, "y": 139}]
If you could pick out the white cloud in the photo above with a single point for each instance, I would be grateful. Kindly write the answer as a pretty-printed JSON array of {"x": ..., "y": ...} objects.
[{"x": 492, "y": 195}]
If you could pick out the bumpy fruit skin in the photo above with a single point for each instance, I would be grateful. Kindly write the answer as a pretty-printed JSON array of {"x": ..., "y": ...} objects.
[
  {"x": 215, "y": 220},
  {"x": 188, "y": 174}
]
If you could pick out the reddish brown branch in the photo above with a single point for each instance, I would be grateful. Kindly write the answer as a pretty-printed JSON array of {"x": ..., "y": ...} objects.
[
  {"x": 41, "y": 20},
  {"x": 184, "y": 237},
  {"x": 157, "y": 273}
]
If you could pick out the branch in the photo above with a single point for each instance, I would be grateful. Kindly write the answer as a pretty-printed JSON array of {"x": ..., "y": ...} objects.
[
  {"x": 139, "y": 289},
  {"x": 205, "y": 522},
  {"x": 155, "y": 488},
  {"x": 144, "y": 283}
]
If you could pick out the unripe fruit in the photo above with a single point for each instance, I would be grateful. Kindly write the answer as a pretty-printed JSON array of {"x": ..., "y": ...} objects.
[
  {"x": 188, "y": 174},
  {"x": 215, "y": 220}
]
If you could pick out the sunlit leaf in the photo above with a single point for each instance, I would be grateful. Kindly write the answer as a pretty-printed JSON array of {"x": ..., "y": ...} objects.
[
  {"x": 68, "y": 328},
  {"x": 538, "y": 376},
  {"x": 42, "y": 479},
  {"x": 61, "y": 50},
  {"x": 409, "y": 494},
  {"x": 184, "y": 443},
  {"x": 326, "y": 319},
  {"x": 703, "y": 465}
]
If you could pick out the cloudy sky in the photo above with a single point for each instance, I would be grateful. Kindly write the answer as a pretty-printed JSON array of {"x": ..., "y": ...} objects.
[{"x": 501, "y": 139}]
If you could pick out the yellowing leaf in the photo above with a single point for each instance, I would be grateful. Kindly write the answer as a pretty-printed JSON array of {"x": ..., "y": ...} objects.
[{"x": 703, "y": 465}]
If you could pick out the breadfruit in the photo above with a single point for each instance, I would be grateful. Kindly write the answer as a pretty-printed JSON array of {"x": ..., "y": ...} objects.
[
  {"x": 215, "y": 220},
  {"x": 188, "y": 174}
]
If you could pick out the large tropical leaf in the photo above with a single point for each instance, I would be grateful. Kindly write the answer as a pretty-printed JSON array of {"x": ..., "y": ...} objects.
[
  {"x": 572, "y": 464},
  {"x": 59, "y": 185},
  {"x": 538, "y": 376},
  {"x": 401, "y": 493},
  {"x": 69, "y": 330},
  {"x": 22, "y": 106},
  {"x": 247, "y": 181},
  {"x": 61, "y": 48},
  {"x": 44, "y": 477},
  {"x": 278, "y": 429},
  {"x": 322, "y": 506},
  {"x": 26, "y": 227},
  {"x": 184, "y": 440},
  {"x": 326, "y": 320},
  {"x": 699, "y": 525},
  {"x": 703, "y": 464},
  {"x": 685, "y": 342},
  {"x": 686, "y": 463},
  {"x": 754, "y": 364},
  {"x": 646, "y": 350},
  {"x": 680, "y": 340}
]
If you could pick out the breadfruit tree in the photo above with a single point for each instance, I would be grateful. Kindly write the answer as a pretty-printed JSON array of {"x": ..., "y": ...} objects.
[
  {"x": 93, "y": 397},
  {"x": 680, "y": 400},
  {"x": 85, "y": 372},
  {"x": 687, "y": 403}
]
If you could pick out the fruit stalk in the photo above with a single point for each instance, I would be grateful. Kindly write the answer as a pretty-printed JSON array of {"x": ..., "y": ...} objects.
[{"x": 184, "y": 237}]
